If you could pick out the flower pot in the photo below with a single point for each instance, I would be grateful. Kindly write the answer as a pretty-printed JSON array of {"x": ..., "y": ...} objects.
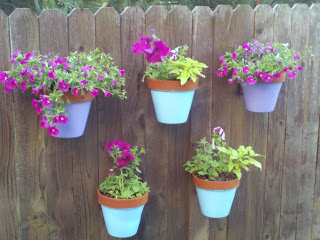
[
  {"x": 122, "y": 216},
  {"x": 172, "y": 102},
  {"x": 261, "y": 96},
  {"x": 215, "y": 197},
  {"x": 78, "y": 112}
]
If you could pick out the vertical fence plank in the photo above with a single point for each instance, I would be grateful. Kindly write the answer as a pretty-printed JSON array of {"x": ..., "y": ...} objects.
[
  {"x": 180, "y": 32},
  {"x": 264, "y": 19},
  {"x": 290, "y": 182},
  {"x": 222, "y": 92},
  {"x": 8, "y": 192},
  {"x": 202, "y": 51},
  {"x": 54, "y": 40},
  {"x": 155, "y": 167},
  {"x": 133, "y": 108},
  {"x": 30, "y": 158},
  {"x": 310, "y": 129},
  {"x": 107, "y": 21},
  {"x": 316, "y": 199},
  {"x": 85, "y": 156},
  {"x": 241, "y": 128},
  {"x": 276, "y": 136}
]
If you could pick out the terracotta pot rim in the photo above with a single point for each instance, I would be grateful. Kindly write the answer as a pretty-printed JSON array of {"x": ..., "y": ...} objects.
[
  {"x": 86, "y": 97},
  {"x": 282, "y": 78},
  {"x": 215, "y": 185},
  {"x": 171, "y": 85},
  {"x": 122, "y": 203}
]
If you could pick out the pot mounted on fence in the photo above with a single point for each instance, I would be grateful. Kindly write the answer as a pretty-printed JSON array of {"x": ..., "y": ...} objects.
[
  {"x": 122, "y": 216},
  {"x": 215, "y": 197},
  {"x": 172, "y": 102},
  {"x": 78, "y": 111},
  {"x": 262, "y": 97}
]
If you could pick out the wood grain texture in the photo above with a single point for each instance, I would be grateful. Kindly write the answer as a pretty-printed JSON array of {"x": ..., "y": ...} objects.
[
  {"x": 54, "y": 39},
  {"x": 316, "y": 199},
  {"x": 264, "y": 20},
  {"x": 29, "y": 137},
  {"x": 85, "y": 175},
  {"x": 180, "y": 32},
  {"x": 241, "y": 129},
  {"x": 276, "y": 137},
  {"x": 292, "y": 158},
  {"x": 202, "y": 51},
  {"x": 107, "y": 22},
  {"x": 155, "y": 166},
  {"x": 310, "y": 128},
  {"x": 221, "y": 92},
  {"x": 8, "y": 190}
]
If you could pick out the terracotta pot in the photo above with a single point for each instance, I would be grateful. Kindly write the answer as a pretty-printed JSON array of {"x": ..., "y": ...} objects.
[
  {"x": 77, "y": 99},
  {"x": 171, "y": 85},
  {"x": 215, "y": 197},
  {"x": 282, "y": 78}
]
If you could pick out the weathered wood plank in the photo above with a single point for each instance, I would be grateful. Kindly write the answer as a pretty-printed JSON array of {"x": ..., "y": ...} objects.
[
  {"x": 54, "y": 40},
  {"x": 264, "y": 19},
  {"x": 276, "y": 136},
  {"x": 241, "y": 128},
  {"x": 86, "y": 213},
  {"x": 310, "y": 128},
  {"x": 290, "y": 181},
  {"x": 30, "y": 157},
  {"x": 107, "y": 21},
  {"x": 155, "y": 166},
  {"x": 202, "y": 51},
  {"x": 316, "y": 199},
  {"x": 8, "y": 190},
  {"x": 180, "y": 32},
  {"x": 222, "y": 92}
]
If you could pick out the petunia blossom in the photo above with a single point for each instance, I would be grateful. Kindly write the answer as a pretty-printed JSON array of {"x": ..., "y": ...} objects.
[
  {"x": 16, "y": 53},
  {"x": 142, "y": 45},
  {"x": 225, "y": 71},
  {"x": 268, "y": 77},
  {"x": 53, "y": 131},
  {"x": 221, "y": 133},
  {"x": 100, "y": 76},
  {"x": 235, "y": 71},
  {"x": 75, "y": 91},
  {"x": 51, "y": 74},
  {"x": 276, "y": 75},
  {"x": 251, "y": 80},
  {"x": 234, "y": 55},
  {"x": 118, "y": 144},
  {"x": 3, "y": 77},
  {"x": 219, "y": 73},
  {"x": 46, "y": 102},
  {"x": 221, "y": 58},
  {"x": 157, "y": 53},
  {"x": 291, "y": 75},
  {"x": 35, "y": 91},
  {"x": 23, "y": 86},
  {"x": 299, "y": 68},
  {"x": 107, "y": 94},
  {"x": 230, "y": 80},
  {"x": 125, "y": 159},
  {"x": 246, "y": 47},
  {"x": 285, "y": 69},
  {"x": 63, "y": 86},
  {"x": 245, "y": 69},
  {"x": 94, "y": 92},
  {"x": 62, "y": 119},
  {"x": 122, "y": 72}
]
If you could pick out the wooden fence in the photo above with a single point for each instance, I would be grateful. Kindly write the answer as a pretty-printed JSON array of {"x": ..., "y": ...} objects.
[{"x": 48, "y": 185}]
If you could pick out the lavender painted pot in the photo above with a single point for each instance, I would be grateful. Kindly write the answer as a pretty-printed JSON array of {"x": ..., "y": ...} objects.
[
  {"x": 77, "y": 120},
  {"x": 261, "y": 97}
]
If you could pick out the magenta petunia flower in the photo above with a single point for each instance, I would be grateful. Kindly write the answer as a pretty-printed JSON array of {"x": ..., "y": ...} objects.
[
  {"x": 125, "y": 159},
  {"x": 42, "y": 87},
  {"x": 230, "y": 80},
  {"x": 46, "y": 102},
  {"x": 118, "y": 144},
  {"x": 94, "y": 92},
  {"x": 65, "y": 66},
  {"x": 51, "y": 74},
  {"x": 83, "y": 83},
  {"x": 38, "y": 110},
  {"x": 296, "y": 57},
  {"x": 63, "y": 86},
  {"x": 291, "y": 75},
  {"x": 87, "y": 68},
  {"x": 279, "y": 62},
  {"x": 276, "y": 75},
  {"x": 107, "y": 94},
  {"x": 245, "y": 69},
  {"x": 246, "y": 47},
  {"x": 299, "y": 68},
  {"x": 11, "y": 60},
  {"x": 142, "y": 45},
  {"x": 3, "y": 77},
  {"x": 28, "y": 56},
  {"x": 44, "y": 123},
  {"x": 62, "y": 119},
  {"x": 258, "y": 73},
  {"x": 25, "y": 72},
  {"x": 114, "y": 82},
  {"x": 285, "y": 69},
  {"x": 8, "y": 89},
  {"x": 225, "y": 71},
  {"x": 16, "y": 53},
  {"x": 122, "y": 72},
  {"x": 100, "y": 76},
  {"x": 23, "y": 86},
  {"x": 235, "y": 71},
  {"x": 220, "y": 73},
  {"x": 157, "y": 53},
  {"x": 35, "y": 103},
  {"x": 251, "y": 80},
  {"x": 35, "y": 91},
  {"x": 268, "y": 77},
  {"x": 75, "y": 91},
  {"x": 234, "y": 55},
  {"x": 31, "y": 77},
  {"x": 53, "y": 131},
  {"x": 221, "y": 58}
]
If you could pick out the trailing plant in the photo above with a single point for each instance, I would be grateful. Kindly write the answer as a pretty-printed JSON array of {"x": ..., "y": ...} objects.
[
  {"x": 166, "y": 64},
  {"x": 123, "y": 181},
  {"x": 216, "y": 160},
  {"x": 255, "y": 60},
  {"x": 51, "y": 76}
]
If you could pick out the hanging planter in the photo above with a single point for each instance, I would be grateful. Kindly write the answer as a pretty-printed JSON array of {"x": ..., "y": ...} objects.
[
  {"x": 216, "y": 172},
  {"x": 64, "y": 86},
  {"x": 262, "y": 96},
  {"x": 122, "y": 195},
  {"x": 215, "y": 197},
  {"x": 171, "y": 77},
  {"x": 122, "y": 216},
  {"x": 261, "y": 69},
  {"x": 172, "y": 102}
]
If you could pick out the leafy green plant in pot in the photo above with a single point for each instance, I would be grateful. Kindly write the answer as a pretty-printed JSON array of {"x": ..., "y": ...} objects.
[
  {"x": 261, "y": 69},
  {"x": 64, "y": 86},
  {"x": 172, "y": 78},
  {"x": 123, "y": 194},
  {"x": 216, "y": 171}
]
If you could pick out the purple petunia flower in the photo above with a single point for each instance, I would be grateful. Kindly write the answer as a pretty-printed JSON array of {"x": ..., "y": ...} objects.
[
  {"x": 246, "y": 47},
  {"x": 25, "y": 71},
  {"x": 157, "y": 53},
  {"x": 107, "y": 94},
  {"x": 234, "y": 55},
  {"x": 23, "y": 86},
  {"x": 16, "y": 53},
  {"x": 100, "y": 76},
  {"x": 251, "y": 80},
  {"x": 51, "y": 74},
  {"x": 276, "y": 75},
  {"x": 94, "y": 92},
  {"x": 268, "y": 77},
  {"x": 53, "y": 131},
  {"x": 296, "y": 57},
  {"x": 235, "y": 71},
  {"x": 62, "y": 119},
  {"x": 221, "y": 59},
  {"x": 122, "y": 72},
  {"x": 46, "y": 102},
  {"x": 245, "y": 69},
  {"x": 63, "y": 86},
  {"x": 35, "y": 91},
  {"x": 220, "y": 73},
  {"x": 118, "y": 144},
  {"x": 75, "y": 91},
  {"x": 291, "y": 75},
  {"x": 114, "y": 82},
  {"x": 142, "y": 45},
  {"x": 35, "y": 103},
  {"x": 285, "y": 69},
  {"x": 230, "y": 80},
  {"x": 3, "y": 77},
  {"x": 299, "y": 68}
]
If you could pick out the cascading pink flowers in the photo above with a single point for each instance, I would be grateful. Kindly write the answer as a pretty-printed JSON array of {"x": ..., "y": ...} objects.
[{"x": 124, "y": 148}]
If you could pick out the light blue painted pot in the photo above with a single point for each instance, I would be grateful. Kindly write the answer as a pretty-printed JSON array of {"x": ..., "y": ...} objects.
[
  {"x": 215, "y": 203},
  {"x": 77, "y": 120},
  {"x": 261, "y": 97},
  {"x": 122, "y": 223},
  {"x": 172, "y": 107}
]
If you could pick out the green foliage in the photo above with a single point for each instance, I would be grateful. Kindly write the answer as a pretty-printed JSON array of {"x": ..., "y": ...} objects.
[
  {"x": 126, "y": 184},
  {"x": 215, "y": 158},
  {"x": 182, "y": 68}
]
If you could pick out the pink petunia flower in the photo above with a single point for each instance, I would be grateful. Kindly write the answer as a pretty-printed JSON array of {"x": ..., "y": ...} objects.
[
  {"x": 75, "y": 91},
  {"x": 122, "y": 72},
  {"x": 157, "y": 53},
  {"x": 8, "y": 89},
  {"x": 42, "y": 87},
  {"x": 221, "y": 133},
  {"x": 3, "y": 77},
  {"x": 25, "y": 72},
  {"x": 225, "y": 71},
  {"x": 100, "y": 76},
  {"x": 46, "y": 102},
  {"x": 114, "y": 82},
  {"x": 125, "y": 159},
  {"x": 251, "y": 80},
  {"x": 246, "y": 47},
  {"x": 268, "y": 77},
  {"x": 94, "y": 92},
  {"x": 11, "y": 60},
  {"x": 35, "y": 103},
  {"x": 51, "y": 74},
  {"x": 35, "y": 91},
  {"x": 53, "y": 131},
  {"x": 44, "y": 123},
  {"x": 299, "y": 68},
  {"x": 63, "y": 86},
  {"x": 276, "y": 75},
  {"x": 62, "y": 119},
  {"x": 16, "y": 53},
  {"x": 221, "y": 58},
  {"x": 291, "y": 75},
  {"x": 219, "y": 73},
  {"x": 23, "y": 86},
  {"x": 230, "y": 80},
  {"x": 38, "y": 110},
  {"x": 234, "y": 55},
  {"x": 83, "y": 83},
  {"x": 118, "y": 144},
  {"x": 285, "y": 69},
  {"x": 107, "y": 94},
  {"x": 296, "y": 57},
  {"x": 235, "y": 71},
  {"x": 31, "y": 77},
  {"x": 245, "y": 69},
  {"x": 142, "y": 45}
]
